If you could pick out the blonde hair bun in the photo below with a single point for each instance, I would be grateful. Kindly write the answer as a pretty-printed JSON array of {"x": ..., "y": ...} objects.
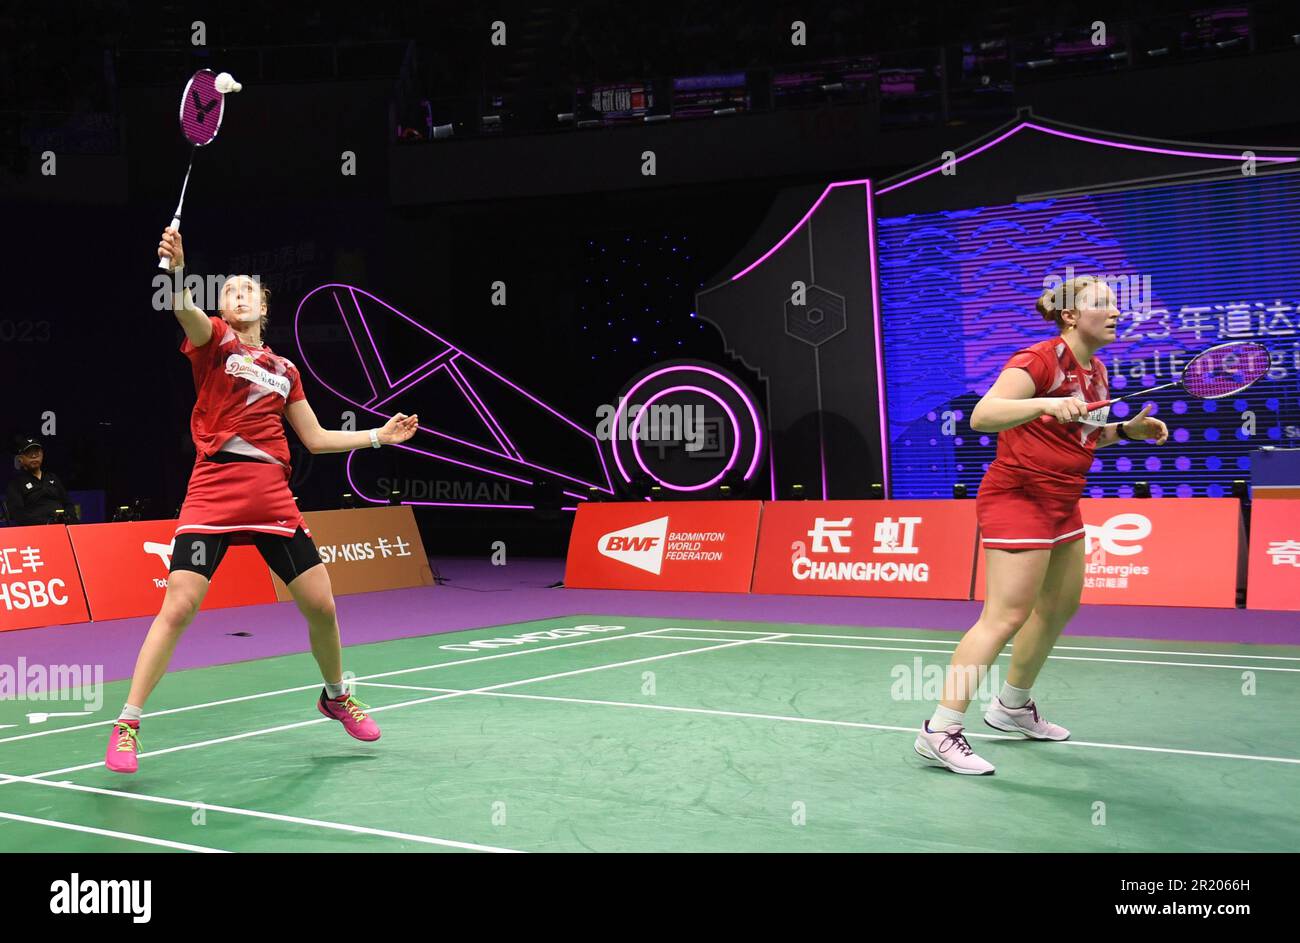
[{"x": 1046, "y": 305}]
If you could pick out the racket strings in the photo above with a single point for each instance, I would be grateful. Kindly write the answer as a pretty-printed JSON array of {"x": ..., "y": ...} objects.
[{"x": 1227, "y": 369}]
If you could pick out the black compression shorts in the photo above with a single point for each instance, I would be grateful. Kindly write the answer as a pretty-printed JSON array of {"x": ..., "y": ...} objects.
[{"x": 288, "y": 557}]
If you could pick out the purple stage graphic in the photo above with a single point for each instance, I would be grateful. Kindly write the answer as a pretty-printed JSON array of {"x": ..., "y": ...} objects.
[{"x": 473, "y": 420}]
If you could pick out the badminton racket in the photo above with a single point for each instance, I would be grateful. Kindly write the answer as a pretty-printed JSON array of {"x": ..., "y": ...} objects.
[
  {"x": 1219, "y": 371},
  {"x": 203, "y": 104}
]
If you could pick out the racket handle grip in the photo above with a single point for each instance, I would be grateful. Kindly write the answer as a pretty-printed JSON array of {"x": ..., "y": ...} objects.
[
  {"x": 165, "y": 264},
  {"x": 1098, "y": 404}
]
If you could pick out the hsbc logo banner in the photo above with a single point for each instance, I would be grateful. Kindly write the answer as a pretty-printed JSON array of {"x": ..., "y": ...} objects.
[
  {"x": 1157, "y": 552},
  {"x": 921, "y": 549},
  {"x": 38, "y": 578},
  {"x": 684, "y": 545}
]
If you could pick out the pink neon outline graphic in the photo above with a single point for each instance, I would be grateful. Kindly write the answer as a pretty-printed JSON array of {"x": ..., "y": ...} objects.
[
  {"x": 474, "y": 405},
  {"x": 771, "y": 465},
  {"x": 361, "y": 360},
  {"x": 879, "y": 340},
  {"x": 416, "y": 382},
  {"x": 451, "y": 364},
  {"x": 471, "y": 359},
  {"x": 788, "y": 236},
  {"x": 563, "y": 418},
  {"x": 306, "y": 360},
  {"x": 753, "y": 414},
  {"x": 580, "y": 497},
  {"x": 1171, "y": 152},
  {"x": 373, "y": 346},
  {"x": 735, "y": 425},
  {"x": 432, "y": 361}
]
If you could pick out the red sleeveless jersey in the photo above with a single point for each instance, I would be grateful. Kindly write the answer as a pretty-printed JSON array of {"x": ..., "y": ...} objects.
[{"x": 242, "y": 391}]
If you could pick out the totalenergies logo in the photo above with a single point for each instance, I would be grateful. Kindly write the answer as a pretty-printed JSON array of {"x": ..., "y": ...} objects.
[{"x": 1119, "y": 535}]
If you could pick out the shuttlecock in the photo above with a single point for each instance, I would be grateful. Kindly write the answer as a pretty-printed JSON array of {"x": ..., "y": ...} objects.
[{"x": 226, "y": 83}]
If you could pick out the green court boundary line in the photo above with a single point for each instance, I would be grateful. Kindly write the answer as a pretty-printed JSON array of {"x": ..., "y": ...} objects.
[
  {"x": 935, "y": 651},
  {"x": 253, "y": 813},
  {"x": 865, "y": 638},
  {"x": 1068, "y": 648},
  {"x": 496, "y": 691},
  {"x": 729, "y": 643},
  {"x": 39, "y": 778},
  {"x": 109, "y": 833},
  {"x": 892, "y": 728},
  {"x": 312, "y": 687}
]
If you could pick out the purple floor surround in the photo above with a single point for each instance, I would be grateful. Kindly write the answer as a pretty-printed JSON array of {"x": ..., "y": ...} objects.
[{"x": 479, "y": 594}]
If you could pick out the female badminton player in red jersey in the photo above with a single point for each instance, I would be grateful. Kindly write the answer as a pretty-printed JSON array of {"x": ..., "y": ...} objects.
[
  {"x": 1028, "y": 511},
  {"x": 239, "y": 493}
]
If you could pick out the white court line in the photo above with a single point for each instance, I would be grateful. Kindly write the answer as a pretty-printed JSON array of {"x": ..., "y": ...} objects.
[
  {"x": 1063, "y": 648},
  {"x": 253, "y": 813},
  {"x": 312, "y": 687},
  {"x": 730, "y": 643},
  {"x": 68, "y": 826},
  {"x": 648, "y": 633},
  {"x": 935, "y": 651},
  {"x": 844, "y": 723}
]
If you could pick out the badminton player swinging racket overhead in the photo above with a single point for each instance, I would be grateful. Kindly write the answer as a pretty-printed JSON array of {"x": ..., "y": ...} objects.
[
  {"x": 1028, "y": 510},
  {"x": 239, "y": 493}
]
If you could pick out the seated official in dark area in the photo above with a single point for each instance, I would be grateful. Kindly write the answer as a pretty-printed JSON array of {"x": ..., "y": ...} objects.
[{"x": 35, "y": 494}]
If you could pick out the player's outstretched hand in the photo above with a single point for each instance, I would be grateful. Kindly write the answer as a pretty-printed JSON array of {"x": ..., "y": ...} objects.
[
  {"x": 398, "y": 429},
  {"x": 170, "y": 248},
  {"x": 1064, "y": 408},
  {"x": 1144, "y": 426}
]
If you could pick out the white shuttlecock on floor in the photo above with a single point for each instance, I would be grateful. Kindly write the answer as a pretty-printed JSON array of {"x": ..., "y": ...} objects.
[{"x": 226, "y": 83}]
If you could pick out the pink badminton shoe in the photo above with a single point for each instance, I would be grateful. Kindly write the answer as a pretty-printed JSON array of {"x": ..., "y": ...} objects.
[
  {"x": 123, "y": 747},
  {"x": 348, "y": 711}
]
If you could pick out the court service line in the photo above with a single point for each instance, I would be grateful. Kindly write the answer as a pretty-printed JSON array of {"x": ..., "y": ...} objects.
[
  {"x": 312, "y": 687},
  {"x": 69, "y": 826},
  {"x": 729, "y": 643},
  {"x": 846, "y": 723},
  {"x": 950, "y": 642},
  {"x": 232, "y": 810},
  {"x": 929, "y": 651}
]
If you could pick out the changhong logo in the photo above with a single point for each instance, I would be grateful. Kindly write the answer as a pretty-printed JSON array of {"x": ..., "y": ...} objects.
[
  {"x": 28, "y": 681},
  {"x": 77, "y": 896}
]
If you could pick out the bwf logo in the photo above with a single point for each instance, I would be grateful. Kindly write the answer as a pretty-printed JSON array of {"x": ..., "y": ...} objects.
[
  {"x": 641, "y": 545},
  {"x": 76, "y": 896}
]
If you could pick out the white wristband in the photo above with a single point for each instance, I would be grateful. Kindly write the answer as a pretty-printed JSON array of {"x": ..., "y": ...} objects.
[{"x": 374, "y": 438}]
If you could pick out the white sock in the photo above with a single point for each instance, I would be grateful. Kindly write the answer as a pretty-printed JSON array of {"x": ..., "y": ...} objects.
[
  {"x": 1012, "y": 696},
  {"x": 131, "y": 712},
  {"x": 945, "y": 717},
  {"x": 334, "y": 690}
]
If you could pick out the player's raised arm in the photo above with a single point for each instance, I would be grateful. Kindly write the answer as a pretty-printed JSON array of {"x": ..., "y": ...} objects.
[{"x": 195, "y": 323}]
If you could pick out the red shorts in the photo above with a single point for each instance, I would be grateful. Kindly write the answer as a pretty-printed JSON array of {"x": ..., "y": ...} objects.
[
  {"x": 1023, "y": 512},
  {"x": 229, "y": 497}
]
